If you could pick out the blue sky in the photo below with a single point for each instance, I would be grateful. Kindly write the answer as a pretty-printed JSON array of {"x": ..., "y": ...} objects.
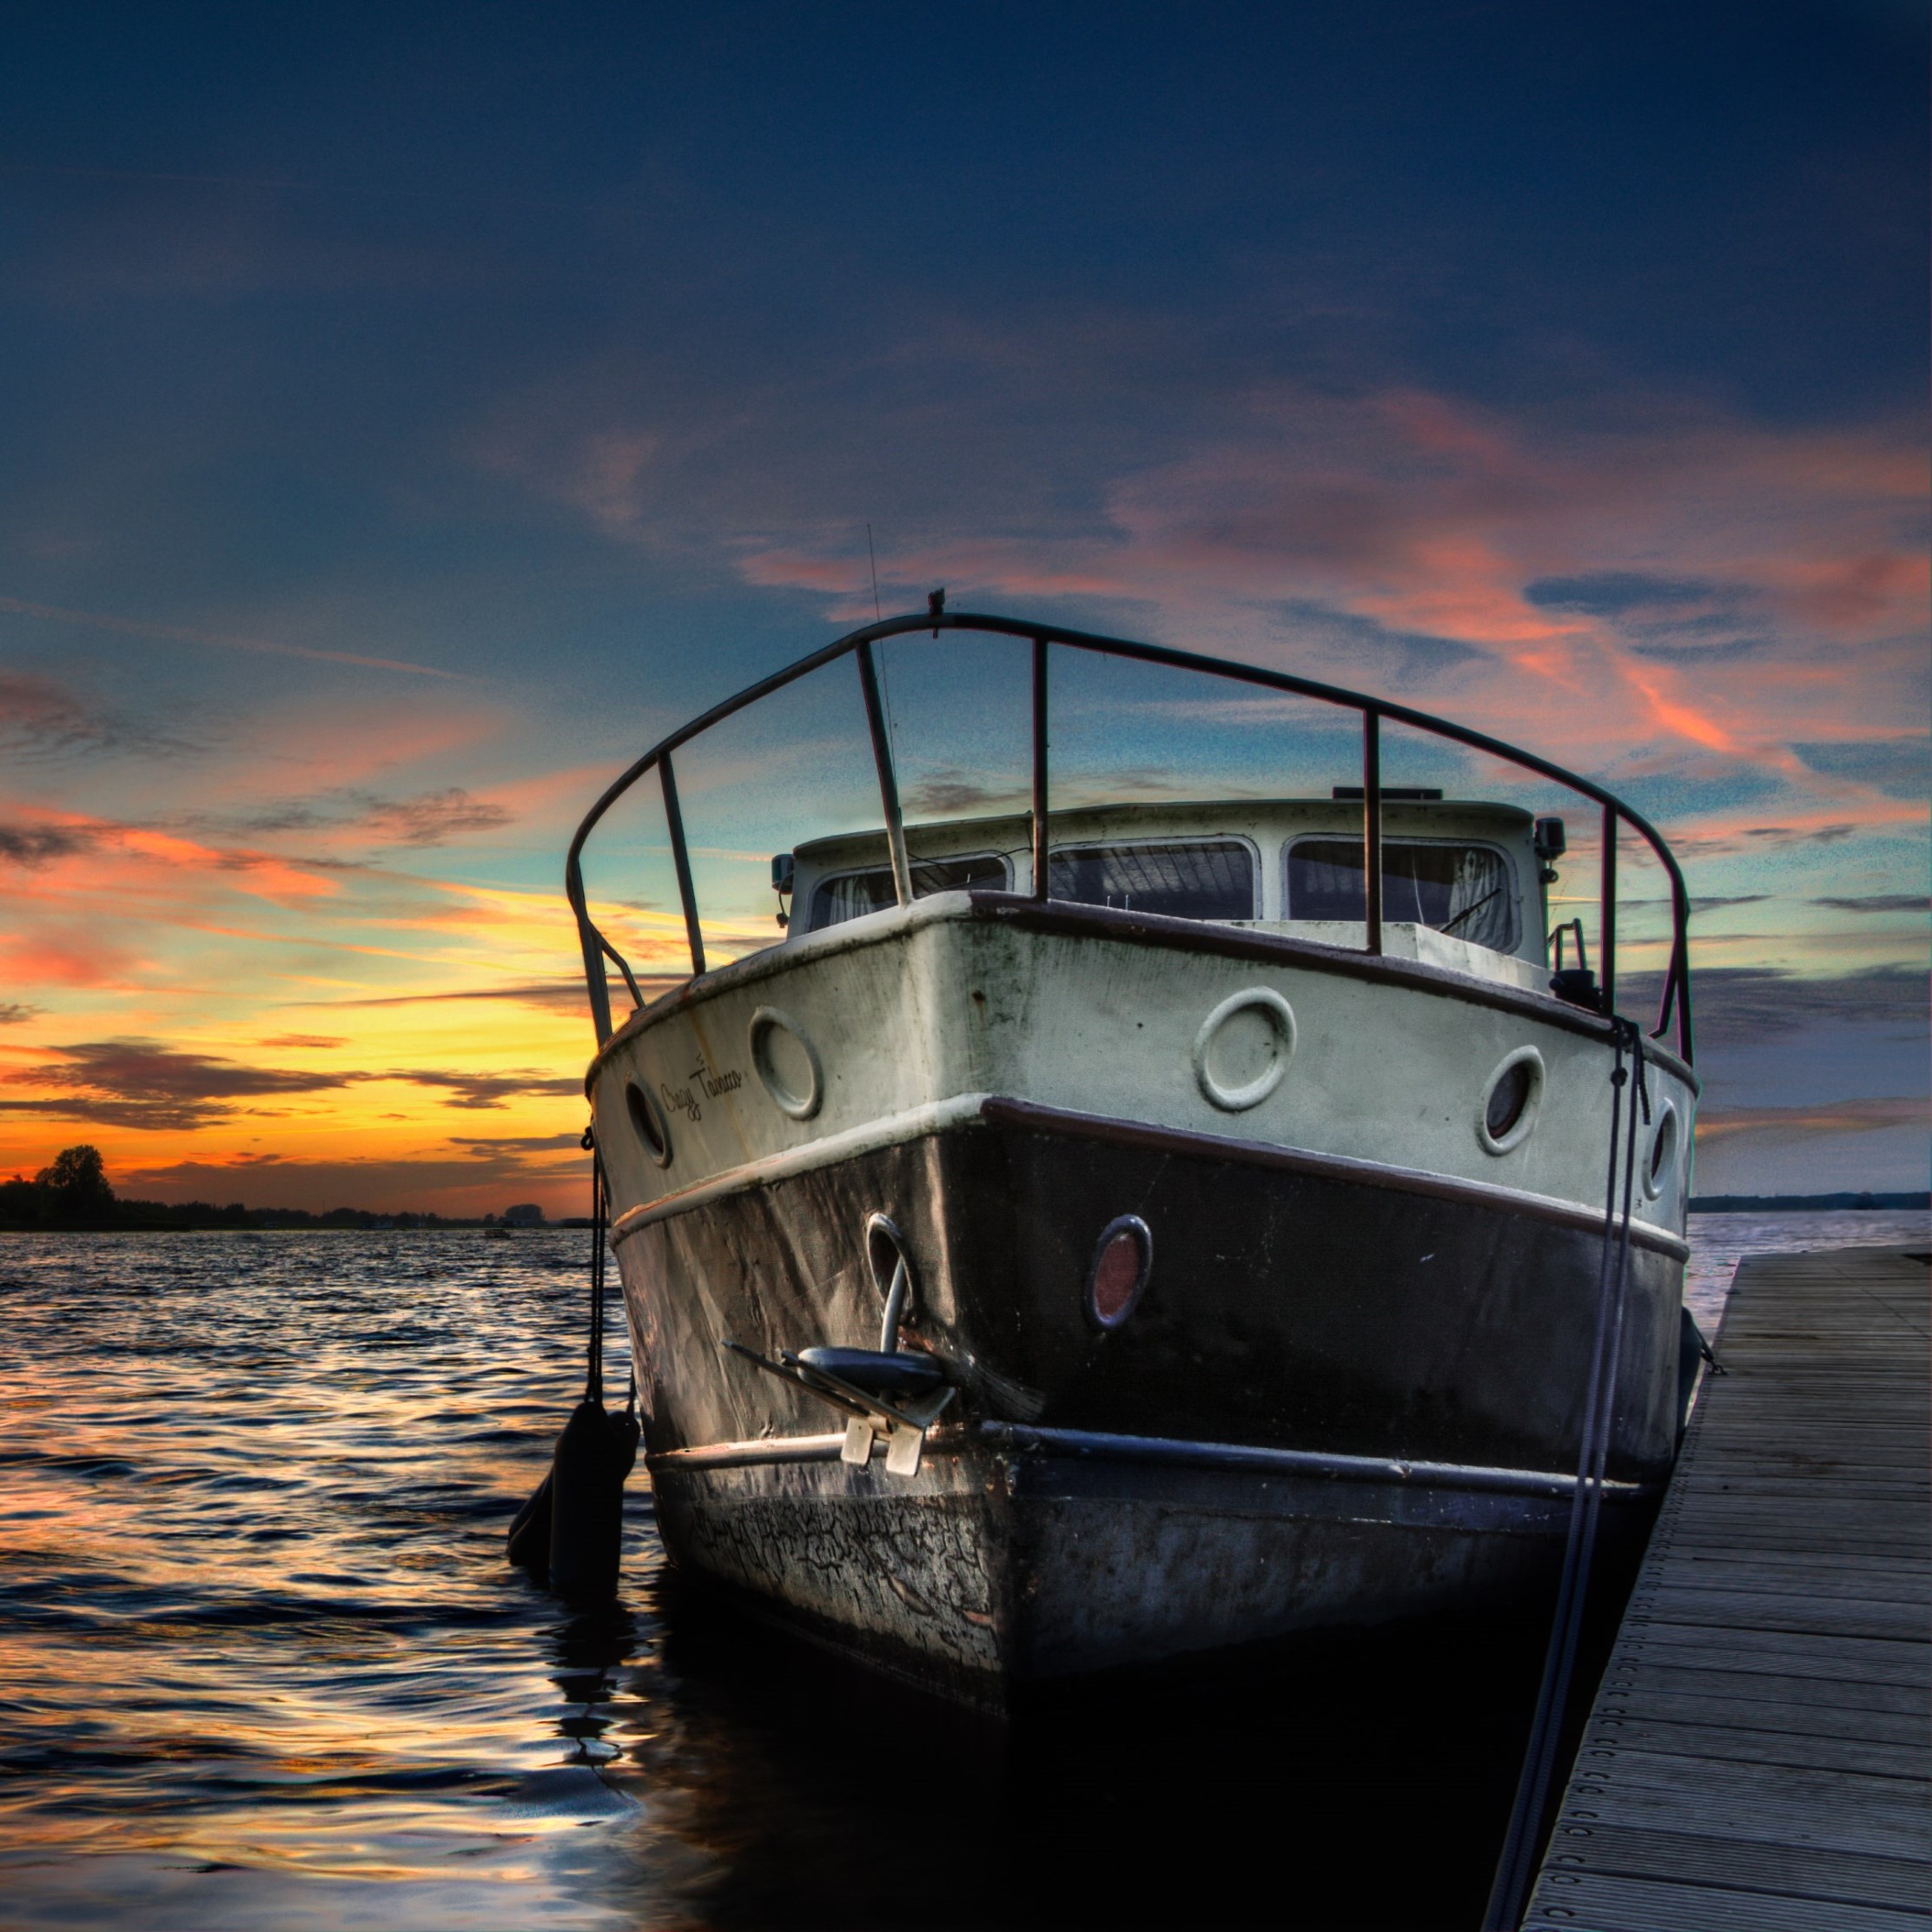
[{"x": 409, "y": 411}]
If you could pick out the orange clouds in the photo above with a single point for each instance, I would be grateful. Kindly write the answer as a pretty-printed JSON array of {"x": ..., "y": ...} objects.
[
  {"x": 188, "y": 970},
  {"x": 1724, "y": 619},
  {"x": 1846, "y": 1116},
  {"x": 1681, "y": 578},
  {"x": 1460, "y": 588},
  {"x": 120, "y": 868},
  {"x": 63, "y": 953},
  {"x": 1678, "y": 716},
  {"x": 354, "y": 1045}
]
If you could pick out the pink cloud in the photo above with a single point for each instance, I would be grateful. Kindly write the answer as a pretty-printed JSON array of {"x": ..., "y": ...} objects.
[
  {"x": 1425, "y": 517},
  {"x": 63, "y": 953}
]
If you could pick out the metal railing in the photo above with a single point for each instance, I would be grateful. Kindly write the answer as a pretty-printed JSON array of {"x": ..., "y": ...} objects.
[{"x": 1676, "y": 998}]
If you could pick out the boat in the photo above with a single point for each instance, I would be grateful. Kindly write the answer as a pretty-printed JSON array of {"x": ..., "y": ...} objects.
[{"x": 1083, "y": 1238}]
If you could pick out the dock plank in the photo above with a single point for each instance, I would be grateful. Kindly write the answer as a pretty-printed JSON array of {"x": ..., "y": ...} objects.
[
  {"x": 1736, "y": 1743},
  {"x": 1790, "y": 1872},
  {"x": 1761, "y": 1574},
  {"x": 1794, "y": 1695},
  {"x": 1832, "y": 1809},
  {"x": 1768, "y": 1610},
  {"x": 1757, "y": 1755},
  {"x": 1608, "y": 1904},
  {"x": 1789, "y": 1653},
  {"x": 1794, "y": 1715}
]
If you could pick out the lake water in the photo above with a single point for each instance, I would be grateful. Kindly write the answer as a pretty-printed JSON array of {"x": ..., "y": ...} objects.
[{"x": 262, "y": 1663}]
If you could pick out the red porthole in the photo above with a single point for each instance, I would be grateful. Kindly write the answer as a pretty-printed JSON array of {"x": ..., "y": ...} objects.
[{"x": 1118, "y": 1272}]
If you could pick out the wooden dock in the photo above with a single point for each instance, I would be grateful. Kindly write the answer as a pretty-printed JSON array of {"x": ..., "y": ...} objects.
[{"x": 1759, "y": 1758}]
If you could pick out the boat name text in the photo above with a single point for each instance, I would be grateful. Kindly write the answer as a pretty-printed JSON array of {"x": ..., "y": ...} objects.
[{"x": 684, "y": 1100}]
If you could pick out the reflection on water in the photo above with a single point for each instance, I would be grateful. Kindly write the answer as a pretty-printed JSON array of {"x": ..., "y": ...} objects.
[
  {"x": 262, "y": 1663},
  {"x": 256, "y": 1636},
  {"x": 1719, "y": 1242},
  {"x": 1258, "y": 1791}
]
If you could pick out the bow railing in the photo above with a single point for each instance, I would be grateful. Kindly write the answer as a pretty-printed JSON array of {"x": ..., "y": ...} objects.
[{"x": 1675, "y": 1002}]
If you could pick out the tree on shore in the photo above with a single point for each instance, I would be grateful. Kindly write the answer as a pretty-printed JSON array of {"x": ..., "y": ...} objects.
[
  {"x": 70, "y": 1191},
  {"x": 71, "y": 1195},
  {"x": 74, "y": 1188}
]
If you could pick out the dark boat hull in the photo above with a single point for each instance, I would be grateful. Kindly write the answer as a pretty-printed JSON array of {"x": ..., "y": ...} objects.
[
  {"x": 1011, "y": 1561},
  {"x": 1347, "y": 1395}
]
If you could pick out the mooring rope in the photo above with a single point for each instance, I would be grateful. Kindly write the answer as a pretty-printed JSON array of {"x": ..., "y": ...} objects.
[
  {"x": 1514, "y": 1869},
  {"x": 600, "y": 1221},
  {"x": 594, "y": 1375}
]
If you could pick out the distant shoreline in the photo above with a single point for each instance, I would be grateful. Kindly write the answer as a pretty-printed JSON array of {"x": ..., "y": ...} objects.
[
  {"x": 1810, "y": 1204},
  {"x": 270, "y": 1220},
  {"x": 72, "y": 1196}
]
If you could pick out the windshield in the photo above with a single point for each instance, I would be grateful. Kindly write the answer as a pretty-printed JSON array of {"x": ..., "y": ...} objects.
[
  {"x": 849, "y": 895},
  {"x": 1466, "y": 890},
  {"x": 1201, "y": 879}
]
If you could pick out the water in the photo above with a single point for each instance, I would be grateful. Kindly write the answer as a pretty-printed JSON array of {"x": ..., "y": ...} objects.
[
  {"x": 262, "y": 1663},
  {"x": 1719, "y": 1242}
]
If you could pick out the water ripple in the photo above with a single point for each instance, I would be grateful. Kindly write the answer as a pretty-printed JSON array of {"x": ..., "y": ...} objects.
[{"x": 262, "y": 1663}]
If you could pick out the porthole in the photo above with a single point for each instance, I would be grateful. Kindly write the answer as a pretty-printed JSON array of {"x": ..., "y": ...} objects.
[
  {"x": 1661, "y": 1164},
  {"x": 787, "y": 1063},
  {"x": 648, "y": 1123},
  {"x": 1506, "y": 1116},
  {"x": 1243, "y": 1049},
  {"x": 1118, "y": 1273},
  {"x": 1507, "y": 1099}
]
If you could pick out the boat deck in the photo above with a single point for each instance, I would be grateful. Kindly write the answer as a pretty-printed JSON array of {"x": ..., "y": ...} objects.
[{"x": 1757, "y": 1755}]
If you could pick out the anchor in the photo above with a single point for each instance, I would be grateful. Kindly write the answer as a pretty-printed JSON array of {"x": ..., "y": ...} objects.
[{"x": 887, "y": 1394}]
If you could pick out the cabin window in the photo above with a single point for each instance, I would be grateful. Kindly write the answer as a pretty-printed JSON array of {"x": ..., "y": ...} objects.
[
  {"x": 1199, "y": 879},
  {"x": 1466, "y": 890},
  {"x": 850, "y": 895}
]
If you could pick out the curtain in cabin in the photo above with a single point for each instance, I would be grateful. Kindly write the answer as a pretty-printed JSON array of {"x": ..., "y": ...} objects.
[{"x": 1465, "y": 891}]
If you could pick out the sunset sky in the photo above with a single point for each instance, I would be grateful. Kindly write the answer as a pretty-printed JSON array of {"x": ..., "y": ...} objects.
[{"x": 407, "y": 414}]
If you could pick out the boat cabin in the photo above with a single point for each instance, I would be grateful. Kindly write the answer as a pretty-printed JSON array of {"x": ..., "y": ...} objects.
[{"x": 1463, "y": 883}]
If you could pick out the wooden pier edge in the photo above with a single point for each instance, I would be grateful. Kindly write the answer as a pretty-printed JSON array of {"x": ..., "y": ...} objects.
[{"x": 1757, "y": 1758}]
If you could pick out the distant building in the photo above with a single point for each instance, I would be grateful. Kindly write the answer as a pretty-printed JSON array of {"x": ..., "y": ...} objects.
[{"x": 524, "y": 1214}]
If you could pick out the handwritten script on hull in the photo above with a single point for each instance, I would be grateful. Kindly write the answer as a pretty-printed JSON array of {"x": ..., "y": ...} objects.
[{"x": 701, "y": 1081}]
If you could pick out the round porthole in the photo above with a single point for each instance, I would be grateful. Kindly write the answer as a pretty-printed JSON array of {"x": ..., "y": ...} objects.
[
  {"x": 787, "y": 1062},
  {"x": 1662, "y": 1162},
  {"x": 1506, "y": 1116},
  {"x": 1243, "y": 1049},
  {"x": 648, "y": 1123},
  {"x": 1118, "y": 1273}
]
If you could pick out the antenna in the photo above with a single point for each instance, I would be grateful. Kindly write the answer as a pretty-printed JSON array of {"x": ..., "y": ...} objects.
[{"x": 886, "y": 682}]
